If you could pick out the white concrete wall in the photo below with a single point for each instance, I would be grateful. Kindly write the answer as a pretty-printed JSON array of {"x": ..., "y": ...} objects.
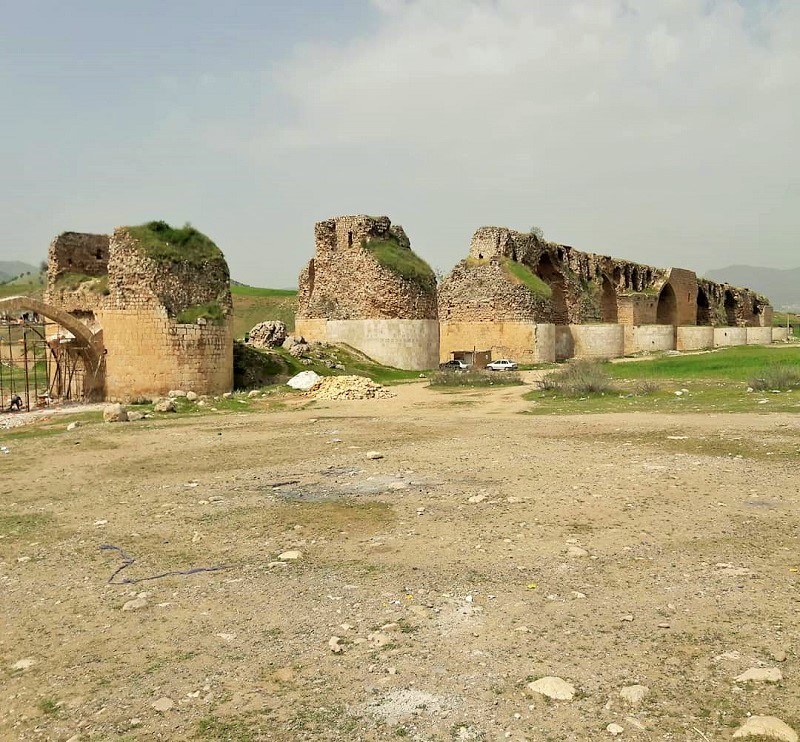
[
  {"x": 589, "y": 341},
  {"x": 411, "y": 344},
  {"x": 780, "y": 334},
  {"x": 725, "y": 336},
  {"x": 694, "y": 338},
  {"x": 545, "y": 344},
  {"x": 649, "y": 338},
  {"x": 759, "y": 335}
]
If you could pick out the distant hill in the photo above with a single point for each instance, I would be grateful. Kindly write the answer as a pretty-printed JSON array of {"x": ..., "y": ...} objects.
[
  {"x": 13, "y": 268},
  {"x": 781, "y": 286},
  {"x": 32, "y": 285},
  {"x": 252, "y": 305}
]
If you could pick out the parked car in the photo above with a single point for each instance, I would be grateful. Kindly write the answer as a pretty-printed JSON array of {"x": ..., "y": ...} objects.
[
  {"x": 502, "y": 364},
  {"x": 454, "y": 366}
]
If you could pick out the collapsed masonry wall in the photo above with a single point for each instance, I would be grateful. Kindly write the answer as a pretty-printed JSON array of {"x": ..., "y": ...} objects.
[
  {"x": 366, "y": 287},
  {"x": 165, "y": 323}
]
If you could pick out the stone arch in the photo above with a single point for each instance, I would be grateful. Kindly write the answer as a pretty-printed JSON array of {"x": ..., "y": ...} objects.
[
  {"x": 89, "y": 339},
  {"x": 731, "y": 305},
  {"x": 703, "y": 307},
  {"x": 608, "y": 301},
  {"x": 667, "y": 310},
  {"x": 547, "y": 271}
]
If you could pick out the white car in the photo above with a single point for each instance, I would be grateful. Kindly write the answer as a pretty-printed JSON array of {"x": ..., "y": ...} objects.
[{"x": 502, "y": 364}]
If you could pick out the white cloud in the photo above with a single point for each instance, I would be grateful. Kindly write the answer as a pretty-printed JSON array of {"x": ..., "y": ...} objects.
[{"x": 638, "y": 126}]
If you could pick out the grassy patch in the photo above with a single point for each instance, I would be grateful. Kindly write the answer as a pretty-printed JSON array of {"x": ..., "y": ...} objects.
[
  {"x": 475, "y": 378},
  {"x": 579, "y": 379},
  {"x": 211, "y": 312},
  {"x": 32, "y": 286},
  {"x": 166, "y": 244},
  {"x": 49, "y": 706},
  {"x": 781, "y": 376},
  {"x": 524, "y": 275},
  {"x": 16, "y": 526},
  {"x": 238, "y": 289},
  {"x": 245, "y": 728},
  {"x": 251, "y": 306},
  {"x": 74, "y": 281},
  {"x": 402, "y": 261}
]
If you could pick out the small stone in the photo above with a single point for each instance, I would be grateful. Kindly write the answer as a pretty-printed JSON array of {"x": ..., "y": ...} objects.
[
  {"x": 162, "y": 705},
  {"x": 227, "y": 395},
  {"x": 615, "y": 730},
  {"x": 133, "y": 416},
  {"x": 760, "y": 675},
  {"x": 24, "y": 664},
  {"x": 115, "y": 413},
  {"x": 135, "y": 604},
  {"x": 627, "y": 619},
  {"x": 378, "y": 639},
  {"x": 663, "y": 626},
  {"x": 374, "y": 455},
  {"x": 778, "y": 654},
  {"x": 73, "y": 426},
  {"x": 577, "y": 552},
  {"x": 766, "y": 726},
  {"x": 553, "y": 687},
  {"x": 289, "y": 556},
  {"x": 391, "y": 670},
  {"x": 175, "y": 393},
  {"x": 253, "y": 394},
  {"x": 335, "y": 644},
  {"x": 191, "y": 396},
  {"x": 476, "y": 499},
  {"x": 165, "y": 405},
  {"x": 634, "y": 694}
]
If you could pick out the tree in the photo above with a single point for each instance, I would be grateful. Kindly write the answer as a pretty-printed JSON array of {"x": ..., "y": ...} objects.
[
  {"x": 43, "y": 267},
  {"x": 537, "y": 232}
]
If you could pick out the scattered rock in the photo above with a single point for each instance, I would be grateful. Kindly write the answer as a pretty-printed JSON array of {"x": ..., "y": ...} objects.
[
  {"x": 227, "y": 395},
  {"x": 374, "y": 455},
  {"x": 760, "y": 675},
  {"x": 778, "y": 654},
  {"x": 269, "y": 334},
  {"x": 175, "y": 393},
  {"x": 162, "y": 705},
  {"x": 348, "y": 388},
  {"x": 766, "y": 726},
  {"x": 290, "y": 556},
  {"x": 165, "y": 405},
  {"x": 23, "y": 664},
  {"x": 191, "y": 396},
  {"x": 378, "y": 639},
  {"x": 576, "y": 551},
  {"x": 254, "y": 393},
  {"x": 615, "y": 730},
  {"x": 134, "y": 415},
  {"x": 634, "y": 694},
  {"x": 135, "y": 604},
  {"x": 115, "y": 413},
  {"x": 553, "y": 687},
  {"x": 335, "y": 644},
  {"x": 475, "y": 499},
  {"x": 304, "y": 381},
  {"x": 75, "y": 425}
]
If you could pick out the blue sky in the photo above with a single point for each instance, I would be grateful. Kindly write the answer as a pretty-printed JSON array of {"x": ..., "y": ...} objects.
[{"x": 659, "y": 130}]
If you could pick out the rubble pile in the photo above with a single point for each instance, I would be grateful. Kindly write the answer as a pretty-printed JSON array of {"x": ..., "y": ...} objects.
[
  {"x": 268, "y": 334},
  {"x": 349, "y": 387}
]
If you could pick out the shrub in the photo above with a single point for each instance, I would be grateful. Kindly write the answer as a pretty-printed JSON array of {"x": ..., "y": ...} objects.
[
  {"x": 645, "y": 387},
  {"x": 578, "y": 379},
  {"x": 783, "y": 376},
  {"x": 475, "y": 377}
]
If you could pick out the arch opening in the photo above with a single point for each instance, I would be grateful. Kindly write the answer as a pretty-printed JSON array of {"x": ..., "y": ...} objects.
[
  {"x": 731, "y": 305},
  {"x": 703, "y": 308},
  {"x": 547, "y": 271},
  {"x": 608, "y": 301},
  {"x": 667, "y": 310}
]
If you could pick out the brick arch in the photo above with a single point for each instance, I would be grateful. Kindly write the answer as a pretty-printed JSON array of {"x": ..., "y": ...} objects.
[
  {"x": 667, "y": 309},
  {"x": 608, "y": 300},
  {"x": 91, "y": 340}
]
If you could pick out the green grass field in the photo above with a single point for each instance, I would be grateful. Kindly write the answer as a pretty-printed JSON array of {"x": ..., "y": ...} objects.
[
  {"x": 703, "y": 382},
  {"x": 252, "y": 305}
]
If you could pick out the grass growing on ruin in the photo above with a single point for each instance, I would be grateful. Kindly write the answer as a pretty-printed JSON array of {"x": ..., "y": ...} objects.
[
  {"x": 73, "y": 281},
  {"x": 166, "y": 244},
  {"x": 403, "y": 261},
  {"x": 524, "y": 275},
  {"x": 211, "y": 312}
]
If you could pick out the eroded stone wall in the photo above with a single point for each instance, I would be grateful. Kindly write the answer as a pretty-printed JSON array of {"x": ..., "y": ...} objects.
[{"x": 344, "y": 280}]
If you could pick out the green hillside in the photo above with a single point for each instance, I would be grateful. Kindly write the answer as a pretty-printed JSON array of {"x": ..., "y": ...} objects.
[
  {"x": 252, "y": 305},
  {"x": 32, "y": 285}
]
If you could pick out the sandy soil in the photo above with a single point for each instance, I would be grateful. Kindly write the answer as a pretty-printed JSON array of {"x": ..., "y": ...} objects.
[{"x": 485, "y": 550}]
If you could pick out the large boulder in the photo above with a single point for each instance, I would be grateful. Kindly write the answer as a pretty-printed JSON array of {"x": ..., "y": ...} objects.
[
  {"x": 304, "y": 380},
  {"x": 271, "y": 334},
  {"x": 165, "y": 405},
  {"x": 115, "y": 413}
]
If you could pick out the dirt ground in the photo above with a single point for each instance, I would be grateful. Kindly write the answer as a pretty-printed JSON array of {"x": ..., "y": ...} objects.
[{"x": 485, "y": 550}]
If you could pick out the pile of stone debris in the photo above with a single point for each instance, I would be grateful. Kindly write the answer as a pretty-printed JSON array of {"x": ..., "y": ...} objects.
[{"x": 348, "y": 387}]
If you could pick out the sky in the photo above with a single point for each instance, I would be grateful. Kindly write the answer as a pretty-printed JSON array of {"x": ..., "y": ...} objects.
[{"x": 661, "y": 131}]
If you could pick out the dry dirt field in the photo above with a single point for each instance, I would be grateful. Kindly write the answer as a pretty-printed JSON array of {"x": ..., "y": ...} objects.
[{"x": 487, "y": 549}]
